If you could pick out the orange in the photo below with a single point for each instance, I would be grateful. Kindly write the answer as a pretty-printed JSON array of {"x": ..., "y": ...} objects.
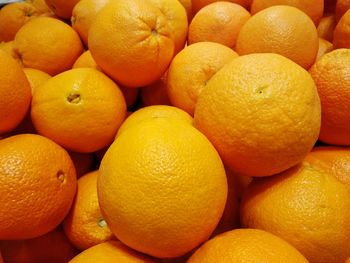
[
  {"x": 198, "y": 4},
  {"x": 47, "y": 44},
  {"x": 342, "y": 6},
  {"x": 38, "y": 184},
  {"x": 187, "y": 4},
  {"x": 162, "y": 187},
  {"x": 284, "y": 30},
  {"x": 155, "y": 93},
  {"x": 84, "y": 225},
  {"x": 111, "y": 252},
  {"x": 53, "y": 247},
  {"x": 341, "y": 34},
  {"x": 41, "y": 7},
  {"x": 83, "y": 162},
  {"x": 80, "y": 109},
  {"x": 261, "y": 112},
  {"x": 15, "y": 93},
  {"x": 36, "y": 77},
  {"x": 84, "y": 13},
  {"x": 326, "y": 27},
  {"x": 313, "y": 8},
  {"x": 191, "y": 69},
  {"x": 247, "y": 245},
  {"x": 8, "y": 48},
  {"x": 324, "y": 47},
  {"x": 85, "y": 60},
  {"x": 137, "y": 49},
  {"x": 218, "y": 22},
  {"x": 13, "y": 17},
  {"x": 62, "y": 8},
  {"x": 306, "y": 206},
  {"x": 154, "y": 112},
  {"x": 330, "y": 74}
]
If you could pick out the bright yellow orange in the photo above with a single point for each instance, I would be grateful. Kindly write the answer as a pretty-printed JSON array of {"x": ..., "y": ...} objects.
[
  {"x": 83, "y": 162},
  {"x": 341, "y": 35},
  {"x": 306, "y": 206},
  {"x": 84, "y": 13},
  {"x": 187, "y": 4},
  {"x": 13, "y": 17},
  {"x": 198, "y": 4},
  {"x": 314, "y": 8},
  {"x": 111, "y": 252},
  {"x": 85, "y": 60},
  {"x": 41, "y": 7},
  {"x": 218, "y": 22},
  {"x": 36, "y": 77},
  {"x": 7, "y": 47},
  {"x": 154, "y": 112},
  {"x": 284, "y": 30},
  {"x": 137, "y": 49},
  {"x": 15, "y": 93},
  {"x": 38, "y": 184},
  {"x": 53, "y": 247},
  {"x": 47, "y": 44},
  {"x": 62, "y": 8},
  {"x": 261, "y": 112},
  {"x": 200, "y": 61},
  {"x": 330, "y": 74},
  {"x": 247, "y": 245},
  {"x": 84, "y": 225},
  {"x": 155, "y": 93},
  {"x": 324, "y": 47},
  {"x": 80, "y": 109},
  {"x": 326, "y": 27},
  {"x": 166, "y": 164}
]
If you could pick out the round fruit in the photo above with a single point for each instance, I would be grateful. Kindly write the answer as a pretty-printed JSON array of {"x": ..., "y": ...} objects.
[
  {"x": 199, "y": 4},
  {"x": 341, "y": 34},
  {"x": 86, "y": 60},
  {"x": 36, "y": 77}
]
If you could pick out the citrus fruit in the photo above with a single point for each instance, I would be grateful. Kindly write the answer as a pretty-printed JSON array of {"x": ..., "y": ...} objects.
[
  {"x": 148, "y": 178},
  {"x": 86, "y": 60},
  {"x": 155, "y": 93},
  {"x": 62, "y": 8},
  {"x": 199, "y": 4},
  {"x": 41, "y": 7},
  {"x": 341, "y": 32},
  {"x": 36, "y": 77},
  {"x": 38, "y": 184},
  {"x": 324, "y": 47},
  {"x": 7, "y": 47},
  {"x": 326, "y": 27},
  {"x": 261, "y": 112},
  {"x": 342, "y": 6},
  {"x": 80, "y": 109}
]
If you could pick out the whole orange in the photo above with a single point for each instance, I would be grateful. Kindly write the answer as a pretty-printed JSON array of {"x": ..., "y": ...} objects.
[
  {"x": 162, "y": 187},
  {"x": 84, "y": 112},
  {"x": 15, "y": 93},
  {"x": 261, "y": 112},
  {"x": 284, "y": 30},
  {"x": 38, "y": 184}
]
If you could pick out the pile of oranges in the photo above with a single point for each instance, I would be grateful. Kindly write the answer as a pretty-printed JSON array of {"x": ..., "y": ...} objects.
[{"x": 168, "y": 131}]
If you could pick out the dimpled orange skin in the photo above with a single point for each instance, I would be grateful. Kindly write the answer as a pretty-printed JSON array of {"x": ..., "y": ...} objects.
[
  {"x": 198, "y": 4},
  {"x": 247, "y": 245},
  {"x": 111, "y": 252},
  {"x": 261, "y": 112},
  {"x": 38, "y": 184},
  {"x": 62, "y": 8},
  {"x": 15, "y": 93},
  {"x": 47, "y": 44},
  {"x": 284, "y": 30},
  {"x": 313, "y": 8},
  {"x": 80, "y": 109},
  {"x": 306, "y": 206},
  {"x": 331, "y": 75},
  {"x": 162, "y": 187},
  {"x": 139, "y": 44}
]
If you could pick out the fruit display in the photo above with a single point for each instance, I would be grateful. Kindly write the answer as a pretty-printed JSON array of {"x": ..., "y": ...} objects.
[{"x": 175, "y": 131}]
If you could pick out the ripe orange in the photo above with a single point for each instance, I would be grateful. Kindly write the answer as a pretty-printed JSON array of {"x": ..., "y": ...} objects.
[
  {"x": 62, "y": 8},
  {"x": 155, "y": 93},
  {"x": 326, "y": 27},
  {"x": 313, "y": 8},
  {"x": 111, "y": 252},
  {"x": 36, "y": 77},
  {"x": 15, "y": 93},
  {"x": 284, "y": 30},
  {"x": 218, "y": 22},
  {"x": 38, "y": 183},
  {"x": 155, "y": 112},
  {"x": 84, "y": 225},
  {"x": 41, "y": 7},
  {"x": 53, "y": 247},
  {"x": 138, "y": 47},
  {"x": 84, "y": 112},
  {"x": 199, "y": 4},
  {"x": 247, "y": 245},
  {"x": 85, "y": 60},
  {"x": 7, "y": 47},
  {"x": 84, "y": 13},
  {"x": 330, "y": 74},
  {"x": 261, "y": 112},
  {"x": 342, "y": 6},
  {"x": 187, "y": 4},
  {"x": 83, "y": 162},
  {"x": 200, "y": 61},
  {"x": 47, "y": 44},
  {"x": 13, "y": 17},
  {"x": 306, "y": 206},
  {"x": 324, "y": 47},
  {"x": 341, "y": 35},
  {"x": 148, "y": 178}
]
